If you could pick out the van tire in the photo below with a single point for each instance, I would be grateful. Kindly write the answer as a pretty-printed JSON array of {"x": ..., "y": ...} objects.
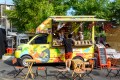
[{"x": 22, "y": 61}]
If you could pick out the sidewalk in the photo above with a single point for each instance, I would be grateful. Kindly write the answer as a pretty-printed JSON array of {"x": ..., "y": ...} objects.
[{"x": 7, "y": 72}]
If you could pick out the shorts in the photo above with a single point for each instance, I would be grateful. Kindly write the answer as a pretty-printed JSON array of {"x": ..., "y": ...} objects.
[{"x": 68, "y": 55}]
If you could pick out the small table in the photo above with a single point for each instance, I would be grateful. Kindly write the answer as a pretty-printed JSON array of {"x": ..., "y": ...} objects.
[
  {"x": 30, "y": 64},
  {"x": 116, "y": 58},
  {"x": 88, "y": 67}
]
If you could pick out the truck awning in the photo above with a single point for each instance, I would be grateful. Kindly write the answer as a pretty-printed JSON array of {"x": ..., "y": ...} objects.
[
  {"x": 76, "y": 19},
  {"x": 44, "y": 26}
]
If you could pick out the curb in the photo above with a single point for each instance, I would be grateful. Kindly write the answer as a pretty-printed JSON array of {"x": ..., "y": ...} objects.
[{"x": 7, "y": 58}]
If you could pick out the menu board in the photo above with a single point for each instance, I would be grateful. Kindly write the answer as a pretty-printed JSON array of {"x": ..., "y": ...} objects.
[{"x": 102, "y": 56}]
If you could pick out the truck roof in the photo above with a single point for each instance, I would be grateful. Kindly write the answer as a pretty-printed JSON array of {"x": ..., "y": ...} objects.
[
  {"x": 71, "y": 16},
  {"x": 75, "y": 18}
]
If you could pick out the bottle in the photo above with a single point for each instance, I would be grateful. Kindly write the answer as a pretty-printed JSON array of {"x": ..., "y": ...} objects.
[{"x": 108, "y": 63}]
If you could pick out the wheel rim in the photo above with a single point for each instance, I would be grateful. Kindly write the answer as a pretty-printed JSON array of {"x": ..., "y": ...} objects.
[{"x": 24, "y": 62}]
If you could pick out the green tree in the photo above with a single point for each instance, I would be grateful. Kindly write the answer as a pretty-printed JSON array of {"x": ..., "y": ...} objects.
[
  {"x": 60, "y": 6},
  {"x": 90, "y": 7},
  {"x": 100, "y": 8},
  {"x": 114, "y": 11},
  {"x": 28, "y": 14}
]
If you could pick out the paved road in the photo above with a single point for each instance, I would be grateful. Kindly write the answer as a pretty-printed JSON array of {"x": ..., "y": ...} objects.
[{"x": 7, "y": 72}]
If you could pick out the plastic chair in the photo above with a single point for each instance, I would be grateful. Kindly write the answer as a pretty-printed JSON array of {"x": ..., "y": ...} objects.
[
  {"x": 88, "y": 67},
  {"x": 111, "y": 68},
  {"x": 41, "y": 69},
  {"x": 17, "y": 68},
  {"x": 62, "y": 71}
]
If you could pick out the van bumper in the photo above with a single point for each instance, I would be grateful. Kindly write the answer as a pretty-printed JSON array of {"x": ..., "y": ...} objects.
[{"x": 17, "y": 53}]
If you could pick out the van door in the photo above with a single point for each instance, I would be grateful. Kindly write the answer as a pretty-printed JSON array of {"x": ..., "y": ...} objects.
[{"x": 40, "y": 48}]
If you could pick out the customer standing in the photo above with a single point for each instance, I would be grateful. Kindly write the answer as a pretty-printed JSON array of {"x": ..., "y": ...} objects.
[{"x": 68, "y": 50}]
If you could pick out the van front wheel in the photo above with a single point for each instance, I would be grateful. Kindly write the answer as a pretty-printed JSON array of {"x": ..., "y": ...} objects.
[{"x": 23, "y": 60}]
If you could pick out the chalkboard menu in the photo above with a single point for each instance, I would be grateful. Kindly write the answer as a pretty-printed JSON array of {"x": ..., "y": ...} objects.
[{"x": 102, "y": 56}]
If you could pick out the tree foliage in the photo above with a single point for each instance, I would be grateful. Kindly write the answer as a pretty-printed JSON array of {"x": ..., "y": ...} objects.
[
  {"x": 28, "y": 14},
  {"x": 114, "y": 11},
  {"x": 60, "y": 6},
  {"x": 90, "y": 7},
  {"x": 100, "y": 8}
]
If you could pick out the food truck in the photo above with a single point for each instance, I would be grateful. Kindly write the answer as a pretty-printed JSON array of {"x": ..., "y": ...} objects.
[{"x": 47, "y": 47}]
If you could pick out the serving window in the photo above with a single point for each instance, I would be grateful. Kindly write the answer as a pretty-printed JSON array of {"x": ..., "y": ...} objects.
[{"x": 82, "y": 32}]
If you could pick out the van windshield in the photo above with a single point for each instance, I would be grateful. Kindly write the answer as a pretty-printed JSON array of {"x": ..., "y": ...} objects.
[{"x": 41, "y": 39}]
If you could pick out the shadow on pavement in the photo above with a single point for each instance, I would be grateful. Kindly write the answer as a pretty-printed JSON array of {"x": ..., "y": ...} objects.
[
  {"x": 8, "y": 62},
  {"x": 50, "y": 64},
  {"x": 96, "y": 73}
]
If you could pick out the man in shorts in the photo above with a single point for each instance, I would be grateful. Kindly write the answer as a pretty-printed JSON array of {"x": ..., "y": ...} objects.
[{"x": 68, "y": 50}]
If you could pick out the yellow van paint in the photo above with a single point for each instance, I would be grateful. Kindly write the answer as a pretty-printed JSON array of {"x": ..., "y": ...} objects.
[
  {"x": 17, "y": 53},
  {"x": 46, "y": 53},
  {"x": 55, "y": 54}
]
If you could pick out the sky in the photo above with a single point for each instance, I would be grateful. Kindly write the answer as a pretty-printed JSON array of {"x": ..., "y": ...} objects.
[{"x": 7, "y": 1}]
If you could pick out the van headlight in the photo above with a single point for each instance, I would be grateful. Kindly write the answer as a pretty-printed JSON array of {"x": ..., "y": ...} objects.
[{"x": 19, "y": 48}]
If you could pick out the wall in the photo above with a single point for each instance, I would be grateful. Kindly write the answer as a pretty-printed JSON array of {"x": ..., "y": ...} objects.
[{"x": 113, "y": 38}]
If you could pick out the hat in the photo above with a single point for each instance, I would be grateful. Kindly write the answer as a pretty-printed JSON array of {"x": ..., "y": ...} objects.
[{"x": 80, "y": 32}]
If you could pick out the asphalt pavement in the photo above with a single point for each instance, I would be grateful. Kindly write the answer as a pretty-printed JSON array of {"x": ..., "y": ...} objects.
[{"x": 7, "y": 73}]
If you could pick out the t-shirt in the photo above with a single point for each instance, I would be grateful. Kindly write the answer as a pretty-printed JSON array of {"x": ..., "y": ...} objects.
[{"x": 68, "y": 45}]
